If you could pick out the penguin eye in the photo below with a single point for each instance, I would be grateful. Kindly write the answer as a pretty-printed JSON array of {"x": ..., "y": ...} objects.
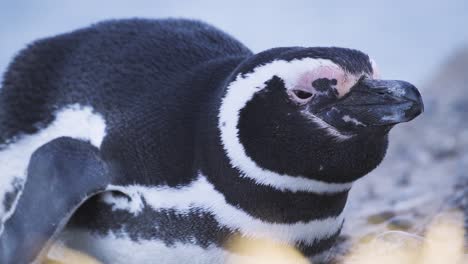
[{"x": 300, "y": 96}]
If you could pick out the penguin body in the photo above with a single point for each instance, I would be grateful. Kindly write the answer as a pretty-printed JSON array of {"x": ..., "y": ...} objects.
[{"x": 159, "y": 141}]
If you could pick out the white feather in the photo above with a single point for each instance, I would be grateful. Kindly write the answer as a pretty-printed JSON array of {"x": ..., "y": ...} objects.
[
  {"x": 132, "y": 203},
  {"x": 239, "y": 92},
  {"x": 201, "y": 194}
]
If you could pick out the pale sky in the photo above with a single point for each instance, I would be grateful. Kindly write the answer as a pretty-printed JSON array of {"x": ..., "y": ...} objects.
[{"x": 407, "y": 39}]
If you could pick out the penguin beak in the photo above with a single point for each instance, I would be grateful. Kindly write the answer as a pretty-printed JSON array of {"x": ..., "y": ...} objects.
[{"x": 375, "y": 103}]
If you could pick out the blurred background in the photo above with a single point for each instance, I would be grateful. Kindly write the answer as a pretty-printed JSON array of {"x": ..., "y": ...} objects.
[
  {"x": 408, "y": 39},
  {"x": 424, "y": 42}
]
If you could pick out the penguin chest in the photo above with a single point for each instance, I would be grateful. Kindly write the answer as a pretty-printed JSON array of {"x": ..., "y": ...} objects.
[
  {"x": 188, "y": 224},
  {"x": 136, "y": 224}
]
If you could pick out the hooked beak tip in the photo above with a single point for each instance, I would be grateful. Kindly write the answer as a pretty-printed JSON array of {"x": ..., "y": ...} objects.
[{"x": 412, "y": 95}]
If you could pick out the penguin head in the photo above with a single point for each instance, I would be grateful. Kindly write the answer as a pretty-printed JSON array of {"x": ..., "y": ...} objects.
[{"x": 318, "y": 113}]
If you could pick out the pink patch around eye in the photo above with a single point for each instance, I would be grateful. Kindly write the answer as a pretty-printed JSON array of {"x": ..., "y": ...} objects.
[
  {"x": 344, "y": 81},
  {"x": 375, "y": 70}
]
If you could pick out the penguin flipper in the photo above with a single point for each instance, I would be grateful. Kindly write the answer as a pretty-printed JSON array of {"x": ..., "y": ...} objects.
[{"x": 62, "y": 175}]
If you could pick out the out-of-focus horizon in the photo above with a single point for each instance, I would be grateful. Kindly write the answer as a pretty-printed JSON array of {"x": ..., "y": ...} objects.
[{"x": 408, "y": 39}]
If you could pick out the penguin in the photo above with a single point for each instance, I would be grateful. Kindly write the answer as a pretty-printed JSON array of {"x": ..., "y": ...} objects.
[{"x": 158, "y": 141}]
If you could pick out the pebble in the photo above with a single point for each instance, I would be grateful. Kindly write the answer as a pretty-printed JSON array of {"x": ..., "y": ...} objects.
[
  {"x": 399, "y": 224},
  {"x": 380, "y": 218}
]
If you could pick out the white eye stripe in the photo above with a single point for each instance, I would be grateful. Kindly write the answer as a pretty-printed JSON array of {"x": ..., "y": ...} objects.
[{"x": 241, "y": 91}]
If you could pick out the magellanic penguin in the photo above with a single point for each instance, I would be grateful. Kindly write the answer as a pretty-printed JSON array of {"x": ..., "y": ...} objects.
[{"x": 157, "y": 141}]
